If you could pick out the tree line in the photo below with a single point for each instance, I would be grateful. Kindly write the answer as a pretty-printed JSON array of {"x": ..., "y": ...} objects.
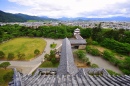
[
  {"x": 117, "y": 40},
  {"x": 12, "y": 31}
]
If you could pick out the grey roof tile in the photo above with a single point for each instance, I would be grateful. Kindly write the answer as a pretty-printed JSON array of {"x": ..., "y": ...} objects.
[
  {"x": 77, "y": 36},
  {"x": 67, "y": 65},
  {"x": 78, "y": 41}
]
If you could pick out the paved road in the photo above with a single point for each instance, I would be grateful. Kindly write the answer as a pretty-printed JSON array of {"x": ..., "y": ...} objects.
[
  {"x": 103, "y": 63},
  {"x": 28, "y": 66}
]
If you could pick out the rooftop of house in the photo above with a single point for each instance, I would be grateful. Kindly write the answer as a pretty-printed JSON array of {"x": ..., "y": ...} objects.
[
  {"x": 78, "y": 41},
  {"x": 77, "y": 36}
]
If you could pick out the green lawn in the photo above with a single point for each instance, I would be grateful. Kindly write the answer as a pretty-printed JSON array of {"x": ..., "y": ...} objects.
[
  {"x": 4, "y": 72},
  {"x": 23, "y": 45},
  {"x": 48, "y": 64}
]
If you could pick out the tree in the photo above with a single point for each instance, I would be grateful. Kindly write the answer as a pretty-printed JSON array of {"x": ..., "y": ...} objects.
[
  {"x": 36, "y": 51},
  {"x": 5, "y": 65},
  {"x": 51, "y": 57},
  {"x": 86, "y": 33},
  {"x": 10, "y": 56},
  {"x": 96, "y": 32},
  {"x": 2, "y": 55}
]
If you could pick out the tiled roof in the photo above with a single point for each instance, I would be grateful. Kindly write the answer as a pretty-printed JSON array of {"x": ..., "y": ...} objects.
[
  {"x": 78, "y": 42},
  {"x": 77, "y": 36},
  {"x": 67, "y": 74},
  {"x": 67, "y": 65}
]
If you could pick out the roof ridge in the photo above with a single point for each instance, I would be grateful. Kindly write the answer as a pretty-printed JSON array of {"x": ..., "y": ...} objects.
[{"x": 67, "y": 65}]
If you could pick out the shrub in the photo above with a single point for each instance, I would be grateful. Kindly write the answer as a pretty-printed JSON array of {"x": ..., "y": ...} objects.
[
  {"x": 53, "y": 45},
  {"x": 123, "y": 48},
  {"x": 94, "y": 43},
  {"x": 52, "y": 53},
  {"x": 95, "y": 52},
  {"x": 112, "y": 72},
  {"x": 36, "y": 51},
  {"x": 89, "y": 41},
  {"x": 115, "y": 61},
  {"x": 53, "y": 60},
  {"x": 47, "y": 57},
  {"x": 94, "y": 66},
  {"x": 21, "y": 55},
  {"x": 10, "y": 56},
  {"x": 127, "y": 62},
  {"x": 86, "y": 59},
  {"x": 88, "y": 63},
  {"x": 2, "y": 55},
  {"x": 125, "y": 71},
  {"x": 88, "y": 49},
  {"x": 108, "y": 55},
  {"x": 80, "y": 54}
]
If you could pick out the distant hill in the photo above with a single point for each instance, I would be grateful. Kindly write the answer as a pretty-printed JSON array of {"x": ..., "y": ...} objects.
[
  {"x": 118, "y": 18},
  {"x": 8, "y": 17},
  {"x": 47, "y": 18}
]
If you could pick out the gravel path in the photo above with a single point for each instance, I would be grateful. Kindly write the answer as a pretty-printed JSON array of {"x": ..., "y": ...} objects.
[
  {"x": 27, "y": 66},
  {"x": 103, "y": 63}
]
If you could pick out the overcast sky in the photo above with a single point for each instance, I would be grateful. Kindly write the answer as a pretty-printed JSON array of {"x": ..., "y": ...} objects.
[{"x": 68, "y": 8}]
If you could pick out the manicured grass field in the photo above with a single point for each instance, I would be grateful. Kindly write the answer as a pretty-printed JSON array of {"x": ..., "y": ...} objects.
[
  {"x": 23, "y": 45},
  {"x": 2, "y": 73}
]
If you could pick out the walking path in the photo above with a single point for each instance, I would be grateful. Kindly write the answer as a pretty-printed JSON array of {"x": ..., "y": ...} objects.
[
  {"x": 103, "y": 63},
  {"x": 27, "y": 67}
]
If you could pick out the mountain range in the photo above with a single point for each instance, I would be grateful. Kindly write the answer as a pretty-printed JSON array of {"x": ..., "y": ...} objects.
[
  {"x": 117, "y": 18},
  {"x": 9, "y": 17}
]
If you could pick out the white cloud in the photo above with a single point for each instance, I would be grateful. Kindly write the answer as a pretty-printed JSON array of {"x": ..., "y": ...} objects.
[{"x": 73, "y": 8}]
